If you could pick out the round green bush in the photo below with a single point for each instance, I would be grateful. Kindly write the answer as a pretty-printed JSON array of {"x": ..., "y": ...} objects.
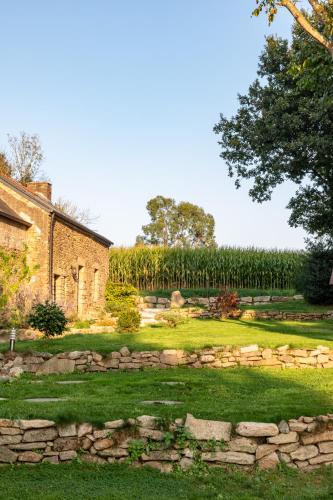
[
  {"x": 119, "y": 296},
  {"x": 48, "y": 318},
  {"x": 129, "y": 320},
  {"x": 315, "y": 276},
  {"x": 172, "y": 318}
]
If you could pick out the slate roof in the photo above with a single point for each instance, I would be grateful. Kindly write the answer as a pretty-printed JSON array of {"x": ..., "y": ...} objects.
[{"x": 50, "y": 208}]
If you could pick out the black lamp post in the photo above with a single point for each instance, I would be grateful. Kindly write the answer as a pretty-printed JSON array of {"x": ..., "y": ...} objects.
[{"x": 12, "y": 339}]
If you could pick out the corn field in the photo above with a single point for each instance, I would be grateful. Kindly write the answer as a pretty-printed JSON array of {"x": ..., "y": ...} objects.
[{"x": 154, "y": 268}]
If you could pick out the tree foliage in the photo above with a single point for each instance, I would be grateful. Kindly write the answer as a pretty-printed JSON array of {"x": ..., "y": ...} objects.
[
  {"x": 81, "y": 215},
  {"x": 5, "y": 167},
  {"x": 14, "y": 271},
  {"x": 314, "y": 279},
  {"x": 317, "y": 22},
  {"x": 25, "y": 157},
  {"x": 172, "y": 224},
  {"x": 283, "y": 131},
  {"x": 48, "y": 318}
]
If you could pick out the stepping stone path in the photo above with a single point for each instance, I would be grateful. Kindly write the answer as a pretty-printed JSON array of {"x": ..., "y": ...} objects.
[
  {"x": 173, "y": 383},
  {"x": 162, "y": 402},
  {"x": 68, "y": 382},
  {"x": 3, "y": 399},
  {"x": 44, "y": 400},
  {"x": 148, "y": 316}
]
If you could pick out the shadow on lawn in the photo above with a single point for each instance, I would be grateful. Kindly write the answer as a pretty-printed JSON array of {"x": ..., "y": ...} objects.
[
  {"x": 308, "y": 330},
  {"x": 272, "y": 395},
  {"x": 235, "y": 395}
]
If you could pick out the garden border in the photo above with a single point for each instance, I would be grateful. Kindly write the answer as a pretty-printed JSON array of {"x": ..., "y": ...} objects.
[
  {"x": 14, "y": 364},
  {"x": 304, "y": 444}
]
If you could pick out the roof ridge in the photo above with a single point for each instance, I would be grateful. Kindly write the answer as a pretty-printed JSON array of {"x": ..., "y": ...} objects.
[{"x": 52, "y": 208}]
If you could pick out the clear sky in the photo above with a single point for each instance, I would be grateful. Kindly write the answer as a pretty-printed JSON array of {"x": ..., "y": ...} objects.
[{"x": 124, "y": 95}]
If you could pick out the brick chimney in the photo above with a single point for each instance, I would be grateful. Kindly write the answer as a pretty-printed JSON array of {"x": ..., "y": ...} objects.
[{"x": 43, "y": 189}]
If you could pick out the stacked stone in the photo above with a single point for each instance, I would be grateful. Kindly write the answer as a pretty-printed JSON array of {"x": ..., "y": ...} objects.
[
  {"x": 305, "y": 443},
  {"x": 13, "y": 365},
  {"x": 151, "y": 301},
  {"x": 289, "y": 316}
]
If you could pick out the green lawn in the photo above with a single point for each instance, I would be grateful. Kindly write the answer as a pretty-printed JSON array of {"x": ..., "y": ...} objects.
[
  {"x": 292, "y": 306},
  {"x": 114, "y": 482},
  {"x": 194, "y": 335},
  {"x": 234, "y": 395}
]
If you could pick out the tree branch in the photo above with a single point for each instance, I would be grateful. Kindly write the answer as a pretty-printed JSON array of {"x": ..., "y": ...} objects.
[
  {"x": 306, "y": 25},
  {"x": 319, "y": 9}
]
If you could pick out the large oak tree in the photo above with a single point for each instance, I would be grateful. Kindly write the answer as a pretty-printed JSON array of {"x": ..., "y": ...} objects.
[
  {"x": 183, "y": 224},
  {"x": 283, "y": 131},
  {"x": 316, "y": 22}
]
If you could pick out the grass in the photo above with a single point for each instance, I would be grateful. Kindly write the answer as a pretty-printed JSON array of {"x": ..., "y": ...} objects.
[
  {"x": 188, "y": 293},
  {"x": 258, "y": 394},
  {"x": 113, "y": 482},
  {"x": 196, "y": 334},
  {"x": 295, "y": 306}
]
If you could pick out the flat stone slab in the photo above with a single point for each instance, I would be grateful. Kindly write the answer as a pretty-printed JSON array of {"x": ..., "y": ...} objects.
[
  {"x": 56, "y": 365},
  {"x": 68, "y": 382},
  {"x": 173, "y": 383},
  {"x": 3, "y": 399},
  {"x": 5, "y": 378},
  {"x": 162, "y": 402},
  {"x": 208, "y": 429},
  {"x": 44, "y": 400}
]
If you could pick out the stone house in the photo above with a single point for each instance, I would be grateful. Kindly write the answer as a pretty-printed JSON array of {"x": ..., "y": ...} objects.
[{"x": 69, "y": 261}]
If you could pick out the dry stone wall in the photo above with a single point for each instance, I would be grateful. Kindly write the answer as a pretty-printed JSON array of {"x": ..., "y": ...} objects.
[
  {"x": 305, "y": 443},
  {"x": 13, "y": 364},
  {"x": 151, "y": 301}
]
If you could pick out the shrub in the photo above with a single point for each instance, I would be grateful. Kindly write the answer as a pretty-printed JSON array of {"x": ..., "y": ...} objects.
[
  {"x": 119, "y": 296},
  {"x": 129, "y": 320},
  {"x": 48, "y": 318},
  {"x": 83, "y": 323},
  {"x": 315, "y": 276},
  {"x": 225, "y": 305},
  {"x": 172, "y": 318}
]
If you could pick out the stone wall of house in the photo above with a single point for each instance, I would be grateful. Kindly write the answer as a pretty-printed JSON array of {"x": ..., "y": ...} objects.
[
  {"x": 13, "y": 364},
  {"x": 81, "y": 265},
  {"x": 12, "y": 234},
  {"x": 305, "y": 443},
  {"x": 36, "y": 237}
]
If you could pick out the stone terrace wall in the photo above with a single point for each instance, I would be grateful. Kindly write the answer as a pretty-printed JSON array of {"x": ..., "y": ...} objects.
[
  {"x": 304, "y": 444},
  {"x": 151, "y": 301},
  {"x": 288, "y": 316},
  {"x": 13, "y": 364}
]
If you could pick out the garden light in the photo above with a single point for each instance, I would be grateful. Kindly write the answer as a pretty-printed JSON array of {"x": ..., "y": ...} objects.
[{"x": 12, "y": 339}]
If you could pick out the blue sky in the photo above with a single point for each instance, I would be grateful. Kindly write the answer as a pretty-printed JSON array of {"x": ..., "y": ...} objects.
[{"x": 124, "y": 95}]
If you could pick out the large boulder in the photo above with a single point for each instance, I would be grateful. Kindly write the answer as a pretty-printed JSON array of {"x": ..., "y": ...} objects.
[
  {"x": 229, "y": 457},
  {"x": 208, "y": 429},
  {"x": 173, "y": 357},
  {"x": 7, "y": 456},
  {"x": 56, "y": 365},
  {"x": 255, "y": 429},
  {"x": 35, "y": 424},
  {"x": 40, "y": 435},
  {"x": 177, "y": 300}
]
